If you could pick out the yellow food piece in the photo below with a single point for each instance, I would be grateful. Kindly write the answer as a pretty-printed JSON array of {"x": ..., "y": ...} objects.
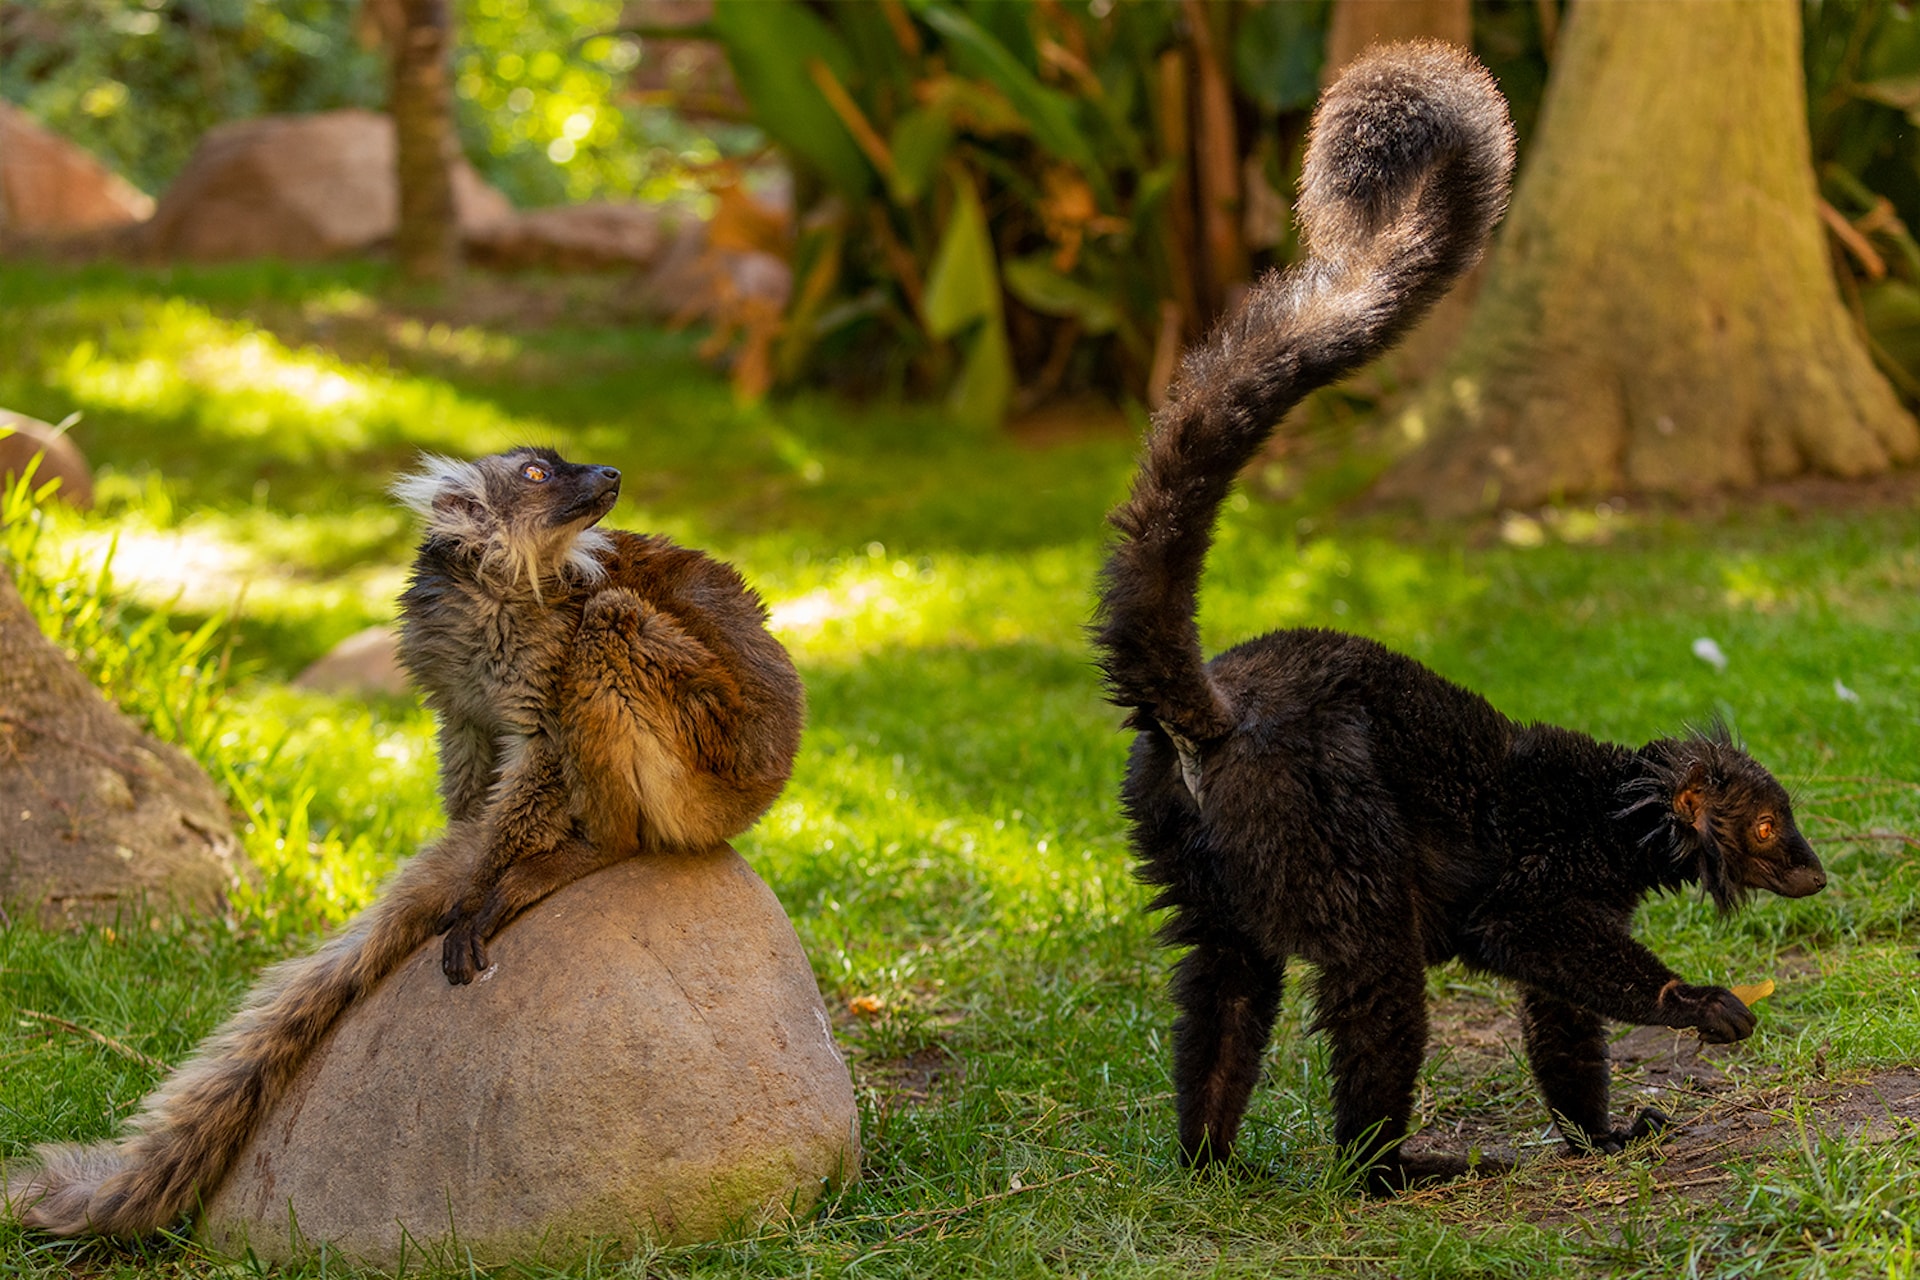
[{"x": 1758, "y": 991}]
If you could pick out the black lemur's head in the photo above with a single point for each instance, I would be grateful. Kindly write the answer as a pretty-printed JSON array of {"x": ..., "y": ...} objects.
[
  {"x": 525, "y": 516},
  {"x": 1725, "y": 820}
]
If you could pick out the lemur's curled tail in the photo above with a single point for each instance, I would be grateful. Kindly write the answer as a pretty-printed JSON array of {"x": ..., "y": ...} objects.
[
  {"x": 196, "y": 1122},
  {"x": 1405, "y": 176}
]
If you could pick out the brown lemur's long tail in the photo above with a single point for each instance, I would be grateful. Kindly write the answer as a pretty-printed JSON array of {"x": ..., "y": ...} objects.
[
  {"x": 192, "y": 1126},
  {"x": 1405, "y": 175}
]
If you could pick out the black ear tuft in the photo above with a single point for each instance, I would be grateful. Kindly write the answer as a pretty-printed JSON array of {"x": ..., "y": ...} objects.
[{"x": 1690, "y": 776}]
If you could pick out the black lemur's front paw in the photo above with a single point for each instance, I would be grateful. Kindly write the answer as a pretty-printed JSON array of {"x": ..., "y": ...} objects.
[{"x": 1720, "y": 1016}]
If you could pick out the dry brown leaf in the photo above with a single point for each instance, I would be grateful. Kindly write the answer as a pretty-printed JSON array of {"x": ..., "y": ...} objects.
[{"x": 1754, "y": 993}]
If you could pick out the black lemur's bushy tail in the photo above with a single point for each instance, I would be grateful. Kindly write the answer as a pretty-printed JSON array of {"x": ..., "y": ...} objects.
[
  {"x": 190, "y": 1129},
  {"x": 1406, "y": 173}
]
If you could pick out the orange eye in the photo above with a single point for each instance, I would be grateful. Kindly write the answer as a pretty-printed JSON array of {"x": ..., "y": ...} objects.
[
  {"x": 534, "y": 472},
  {"x": 1763, "y": 830}
]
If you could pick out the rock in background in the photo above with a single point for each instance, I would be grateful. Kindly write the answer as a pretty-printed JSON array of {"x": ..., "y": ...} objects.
[
  {"x": 364, "y": 665},
  {"x": 312, "y": 186},
  {"x": 649, "y": 1057},
  {"x": 50, "y": 187}
]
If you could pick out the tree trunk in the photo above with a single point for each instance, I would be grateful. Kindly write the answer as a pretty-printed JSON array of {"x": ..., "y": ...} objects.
[
  {"x": 427, "y": 243},
  {"x": 1659, "y": 313},
  {"x": 1359, "y": 23},
  {"x": 95, "y": 816}
]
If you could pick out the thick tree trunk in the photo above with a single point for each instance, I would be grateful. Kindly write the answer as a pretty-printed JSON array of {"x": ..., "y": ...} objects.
[
  {"x": 427, "y": 244},
  {"x": 95, "y": 816},
  {"x": 1659, "y": 313}
]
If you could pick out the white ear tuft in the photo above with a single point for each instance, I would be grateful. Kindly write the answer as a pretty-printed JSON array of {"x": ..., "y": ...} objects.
[{"x": 439, "y": 477}]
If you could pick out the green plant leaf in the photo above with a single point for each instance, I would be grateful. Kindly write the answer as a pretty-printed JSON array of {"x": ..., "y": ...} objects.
[
  {"x": 1036, "y": 283},
  {"x": 964, "y": 284},
  {"x": 920, "y": 142},
  {"x": 985, "y": 386},
  {"x": 1891, "y": 309},
  {"x": 1048, "y": 113},
  {"x": 769, "y": 44}
]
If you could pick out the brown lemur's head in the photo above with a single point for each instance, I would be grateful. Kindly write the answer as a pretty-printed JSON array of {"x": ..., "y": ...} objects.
[
  {"x": 521, "y": 518},
  {"x": 1726, "y": 822}
]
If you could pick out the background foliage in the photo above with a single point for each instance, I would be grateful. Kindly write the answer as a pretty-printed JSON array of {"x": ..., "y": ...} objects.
[
  {"x": 539, "y": 87},
  {"x": 999, "y": 201}
]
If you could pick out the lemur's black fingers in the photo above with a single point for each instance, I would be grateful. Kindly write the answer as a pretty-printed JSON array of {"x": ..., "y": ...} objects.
[
  {"x": 1724, "y": 1017},
  {"x": 463, "y": 955}
]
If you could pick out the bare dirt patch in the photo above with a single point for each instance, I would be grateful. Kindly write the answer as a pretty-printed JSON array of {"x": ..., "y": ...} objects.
[
  {"x": 1724, "y": 1110},
  {"x": 926, "y": 1075}
]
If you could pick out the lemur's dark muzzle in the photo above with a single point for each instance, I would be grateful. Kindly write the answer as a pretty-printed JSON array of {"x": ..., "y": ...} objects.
[{"x": 596, "y": 490}]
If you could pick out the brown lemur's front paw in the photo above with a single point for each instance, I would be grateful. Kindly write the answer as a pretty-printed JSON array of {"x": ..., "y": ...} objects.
[
  {"x": 463, "y": 954},
  {"x": 1720, "y": 1016}
]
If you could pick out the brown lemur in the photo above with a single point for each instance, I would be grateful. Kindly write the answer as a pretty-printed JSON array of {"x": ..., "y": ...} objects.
[
  {"x": 601, "y": 694},
  {"x": 1313, "y": 794}
]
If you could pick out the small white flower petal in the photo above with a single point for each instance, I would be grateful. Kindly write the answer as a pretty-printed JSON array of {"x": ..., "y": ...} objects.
[{"x": 1709, "y": 652}]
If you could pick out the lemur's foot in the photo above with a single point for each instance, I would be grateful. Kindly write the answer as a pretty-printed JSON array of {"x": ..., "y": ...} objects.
[
  {"x": 1650, "y": 1123},
  {"x": 1406, "y": 1170}
]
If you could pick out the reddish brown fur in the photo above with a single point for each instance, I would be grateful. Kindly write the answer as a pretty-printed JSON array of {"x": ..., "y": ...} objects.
[{"x": 601, "y": 695}]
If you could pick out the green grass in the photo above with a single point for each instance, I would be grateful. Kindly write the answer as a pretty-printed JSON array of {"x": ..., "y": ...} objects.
[{"x": 950, "y": 843}]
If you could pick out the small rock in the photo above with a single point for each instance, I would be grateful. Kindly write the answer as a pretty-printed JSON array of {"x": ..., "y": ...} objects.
[
  {"x": 576, "y": 237},
  {"x": 60, "y": 458},
  {"x": 650, "y": 1057},
  {"x": 364, "y": 665}
]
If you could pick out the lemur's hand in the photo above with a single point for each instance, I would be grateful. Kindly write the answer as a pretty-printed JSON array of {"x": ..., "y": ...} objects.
[
  {"x": 1720, "y": 1016},
  {"x": 463, "y": 955}
]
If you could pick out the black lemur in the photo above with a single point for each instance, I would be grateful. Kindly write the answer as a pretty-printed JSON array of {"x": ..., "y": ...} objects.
[
  {"x": 601, "y": 694},
  {"x": 1315, "y": 794}
]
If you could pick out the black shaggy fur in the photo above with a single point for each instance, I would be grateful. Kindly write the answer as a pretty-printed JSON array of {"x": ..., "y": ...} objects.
[{"x": 1315, "y": 794}]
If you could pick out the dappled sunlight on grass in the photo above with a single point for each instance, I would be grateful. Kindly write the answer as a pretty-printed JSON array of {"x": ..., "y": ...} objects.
[
  {"x": 872, "y": 599},
  {"x": 176, "y": 363}
]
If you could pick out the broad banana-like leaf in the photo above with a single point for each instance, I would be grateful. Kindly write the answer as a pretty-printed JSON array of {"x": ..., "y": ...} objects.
[
  {"x": 769, "y": 44},
  {"x": 1036, "y": 283},
  {"x": 985, "y": 385},
  {"x": 920, "y": 142},
  {"x": 964, "y": 284}
]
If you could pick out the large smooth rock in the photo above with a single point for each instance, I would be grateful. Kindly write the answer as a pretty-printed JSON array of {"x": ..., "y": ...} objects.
[
  {"x": 50, "y": 187},
  {"x": 648, "y": 1057},
  {"x": 313, "y": 186}
]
